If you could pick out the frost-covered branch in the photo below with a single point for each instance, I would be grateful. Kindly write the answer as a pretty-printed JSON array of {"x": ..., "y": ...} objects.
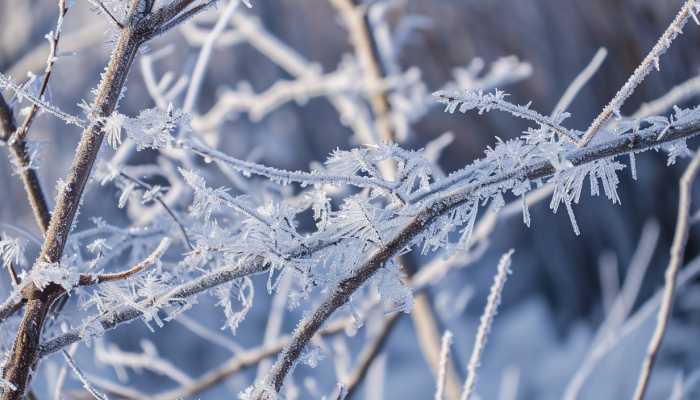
[
  {"x": 485, "y": 102},
  {"x": 141, "y": 23},
  {"x": 124, "y": 314},
  {"x": 341, "y": 293}
]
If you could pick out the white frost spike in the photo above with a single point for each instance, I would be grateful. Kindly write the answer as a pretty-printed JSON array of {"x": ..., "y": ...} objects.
[
  {"x": 572, "y": 218},
  {"x": 113, "y": 129},
  {"x": 12, "y": 251},
  {"x": 526, "y": 211}
]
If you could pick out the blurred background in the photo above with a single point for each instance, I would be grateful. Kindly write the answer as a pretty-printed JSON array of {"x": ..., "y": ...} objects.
[{"x": 556, "y": 296}]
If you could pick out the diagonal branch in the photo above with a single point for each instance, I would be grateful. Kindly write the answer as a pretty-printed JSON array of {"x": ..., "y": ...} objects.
[{"x": 340, "y": 295}]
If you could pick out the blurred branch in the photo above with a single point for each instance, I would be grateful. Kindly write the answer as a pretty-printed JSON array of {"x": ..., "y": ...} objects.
[
  {"x": 680, "y": 240},
  {"x": 627, "y": 296}
]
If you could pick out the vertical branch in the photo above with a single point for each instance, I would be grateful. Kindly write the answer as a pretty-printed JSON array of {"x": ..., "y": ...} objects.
[
  {"x": 358, "y": 27},
  {"x": 366, "y": 50},
  {"x": 15, "y": 137},
  {"x": 25, "y": 349},
  {"x": 680, "y": 240},
  {"x": 22, "y": 162}
]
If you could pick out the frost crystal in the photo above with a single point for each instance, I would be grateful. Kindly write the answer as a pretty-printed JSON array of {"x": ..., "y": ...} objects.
[
  {"x": 12, "y": 251},
  {"x": 46, "y": 273}
]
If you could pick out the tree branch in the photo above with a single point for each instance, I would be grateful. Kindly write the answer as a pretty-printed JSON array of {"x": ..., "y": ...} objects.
[
  {"x": 25, "y": 350},
  {"x": 341, "y": 293}
]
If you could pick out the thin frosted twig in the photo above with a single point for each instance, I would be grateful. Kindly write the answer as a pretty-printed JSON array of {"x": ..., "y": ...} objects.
[
  {"x": 208, "y": 334},
  {"x": 53, "y": 38},
  {"x": 82, "y": 379},
  {"x": 61, "y": 378},
  {"x": 368, "y": 354},
  {"x": 8, "y": 83},
  {"x": 341, "y": 294},
  {"x": 283, "y": 176},
  {"x": 680, "y": 240},
  {"x": 103, "y": 10},
  {"x": 485, "y": 102},
  {"x": 128, "y": 313},
  {"x": 148, "y": 359},
  {"x": 442, "y": 371},
  {"x": 482, "y": 334},
  {"x": 158, "y": 197},
  {"x": 152, "y": 259},
  {"x": 651, "y": 61}
]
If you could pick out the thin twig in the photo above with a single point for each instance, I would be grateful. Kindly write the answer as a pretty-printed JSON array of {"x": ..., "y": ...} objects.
[
  {"x": 104, "y": 10},
  {"x": 619, "y": 311},
  {"x": 152, "y": 259},
  {"x": 367, "y": 356},
  {"x": 580, "y": 81},
  {"x": 688, "y": 10},
  {"x": 444, "y": 356},
  {"x": 159, "y": 199},
  {"x": 54, "y": 37},
  {"x": 482, "y": 334},
  {"x": 680, "y": 240},
  {"x": 79, "y": 374}
]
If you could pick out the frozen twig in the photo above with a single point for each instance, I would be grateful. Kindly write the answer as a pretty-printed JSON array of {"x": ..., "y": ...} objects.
[
  {"x": 482, "y": 334},
  {"x": 651, "y": 61},
  {"x": 444, "y": 356},
  {"x": 79, "y": 374}
]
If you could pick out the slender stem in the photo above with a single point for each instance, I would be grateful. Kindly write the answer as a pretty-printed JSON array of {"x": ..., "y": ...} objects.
[{"x": 680, "y": 240}]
